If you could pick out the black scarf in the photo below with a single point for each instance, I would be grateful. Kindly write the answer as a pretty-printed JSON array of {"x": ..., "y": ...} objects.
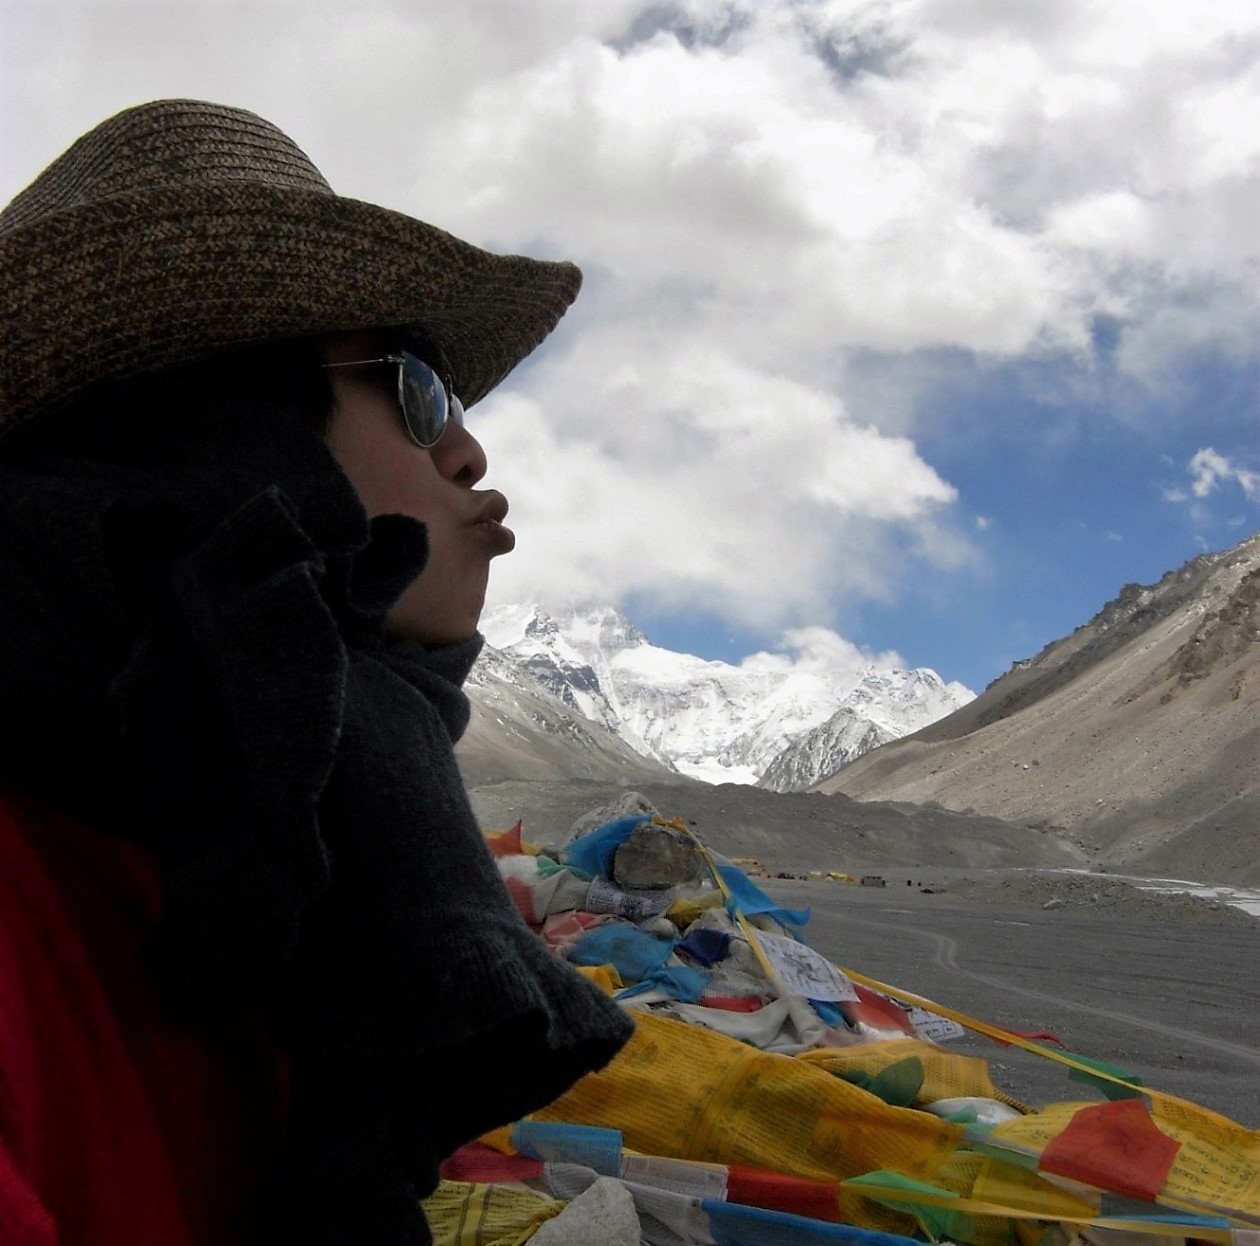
[{"x": 192, "y": 655}]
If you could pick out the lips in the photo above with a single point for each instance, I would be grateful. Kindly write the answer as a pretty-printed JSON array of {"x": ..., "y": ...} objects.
[{"x": 489, "y": 521}]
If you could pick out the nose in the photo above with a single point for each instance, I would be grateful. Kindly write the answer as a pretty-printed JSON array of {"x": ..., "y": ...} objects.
[{"x": 458, "y": 456}]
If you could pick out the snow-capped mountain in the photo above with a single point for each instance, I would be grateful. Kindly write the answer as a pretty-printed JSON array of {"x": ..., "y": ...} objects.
[
  {"x": 821, "y": 751},
  {"x": 883, "y": 707},
  {"x": 792, "y": 722},
  {"x": 519, "y": 730}
]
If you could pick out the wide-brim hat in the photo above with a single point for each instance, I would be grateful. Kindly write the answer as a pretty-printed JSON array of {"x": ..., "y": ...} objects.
[{"x": 178, "y": 229}]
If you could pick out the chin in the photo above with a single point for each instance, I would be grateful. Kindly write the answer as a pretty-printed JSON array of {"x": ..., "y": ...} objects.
[
  {"x": 428, "y": 632},
  {"x": 442, "y": 613}
]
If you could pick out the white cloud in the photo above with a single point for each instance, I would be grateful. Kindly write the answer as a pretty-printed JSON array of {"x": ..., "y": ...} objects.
[
  {"x": 756, "y": 191},
  {"x": 698, "y": 480},
  {"x": 821, "y": 651},
  {"x": 816, "y": 177},
  {"x": 1208, "y": 469}
]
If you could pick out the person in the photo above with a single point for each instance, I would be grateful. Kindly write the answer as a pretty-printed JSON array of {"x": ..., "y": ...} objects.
[{"x": 258, "y": 973}]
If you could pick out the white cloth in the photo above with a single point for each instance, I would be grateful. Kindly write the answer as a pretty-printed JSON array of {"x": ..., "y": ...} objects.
[{"x": 603, "y": 1213}]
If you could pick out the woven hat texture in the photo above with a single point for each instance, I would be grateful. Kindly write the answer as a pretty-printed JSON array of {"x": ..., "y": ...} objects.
[{"x": 178, "y": 229}]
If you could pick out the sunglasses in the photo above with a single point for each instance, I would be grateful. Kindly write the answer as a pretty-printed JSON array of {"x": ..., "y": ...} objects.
[{"x": 427, "y": 402}]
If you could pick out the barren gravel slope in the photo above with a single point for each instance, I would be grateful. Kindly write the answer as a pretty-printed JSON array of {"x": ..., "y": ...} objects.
[
  {"x": 792, "y": 831},
  {"x": 1139, "y": 735}
]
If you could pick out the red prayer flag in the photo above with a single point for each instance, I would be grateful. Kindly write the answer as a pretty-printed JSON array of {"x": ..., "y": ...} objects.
[
  {"x": 1113, "y": 1146},
  {"x": 876, "y": 1010},
  {"x": 779, "y": 1191},
  {"x": 479, "y": 1163}
]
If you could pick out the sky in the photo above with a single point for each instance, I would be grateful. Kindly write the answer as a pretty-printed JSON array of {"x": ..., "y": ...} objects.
[{"x": 912, "y": 330}]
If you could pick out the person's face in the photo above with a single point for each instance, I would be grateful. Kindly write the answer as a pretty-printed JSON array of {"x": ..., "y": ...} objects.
[{"x": 393, "y": 475}]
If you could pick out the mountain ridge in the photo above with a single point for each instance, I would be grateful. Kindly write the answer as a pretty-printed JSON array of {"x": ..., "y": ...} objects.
[
  {"x": 518, "y": 730},
  {"x": 1131, "y": 744},
  {"x": 709, "y": 719},
  {"x": 1139, "y": 732}
]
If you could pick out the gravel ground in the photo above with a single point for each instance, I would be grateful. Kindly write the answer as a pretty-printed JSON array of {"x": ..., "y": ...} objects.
[
  {"x": 1004, "y": 923},
  {"x": 1130, "y": 980},
  {"x": 1050, "y": 891}
]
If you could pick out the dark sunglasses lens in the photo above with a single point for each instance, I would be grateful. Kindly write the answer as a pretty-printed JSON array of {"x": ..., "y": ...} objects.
[{"x": 424, "y": 404}]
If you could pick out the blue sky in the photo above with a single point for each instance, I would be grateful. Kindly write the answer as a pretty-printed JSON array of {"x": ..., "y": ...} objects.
[
  {"x": 1069, "y": 520},
  {"x": 1070, "y": 515},
  {"x": 929, "y": 323}
]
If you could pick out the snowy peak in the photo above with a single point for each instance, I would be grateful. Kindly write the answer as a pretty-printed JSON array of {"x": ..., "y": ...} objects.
[
  {"x": 552, "y": 658},
  {"x": 599, "y": 629},
  {"x": 713, "y": 720},
  {"x": 521, "y": 731},
  {"x": 602, "y": 629},
  {"x": 823, "y": 750},
  {"x": 903, "y": 701}
]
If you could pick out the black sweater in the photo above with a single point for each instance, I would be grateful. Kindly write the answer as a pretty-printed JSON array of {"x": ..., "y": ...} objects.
[{"x": 192, "y": 655}]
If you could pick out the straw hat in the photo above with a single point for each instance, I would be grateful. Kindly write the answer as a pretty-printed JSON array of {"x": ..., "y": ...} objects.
[{"x": 179, "y": 228}]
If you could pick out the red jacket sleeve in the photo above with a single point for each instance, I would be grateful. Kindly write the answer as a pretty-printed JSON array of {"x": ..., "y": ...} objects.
[
  {"x": 24, "y": 1220},
  {"x": 119, "y": 1125}
]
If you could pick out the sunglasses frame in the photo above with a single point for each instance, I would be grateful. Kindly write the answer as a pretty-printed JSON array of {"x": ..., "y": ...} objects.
[{"x": 452, "y": 409}]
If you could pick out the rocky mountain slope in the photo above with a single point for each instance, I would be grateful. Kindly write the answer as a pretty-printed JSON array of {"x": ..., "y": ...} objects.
[
  {"x": 793, "y": 831},
  {"x": 784, "y": 723},
  {"x": 519, "y": 730},
  {"x": 1138, "y": 734},
  {"x": 843, "y": 738}
]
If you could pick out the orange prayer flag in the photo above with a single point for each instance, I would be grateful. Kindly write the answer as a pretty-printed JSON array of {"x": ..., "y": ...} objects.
[{"x": 506, "y": 843}]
